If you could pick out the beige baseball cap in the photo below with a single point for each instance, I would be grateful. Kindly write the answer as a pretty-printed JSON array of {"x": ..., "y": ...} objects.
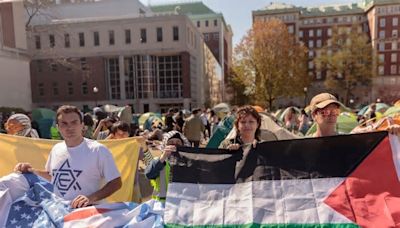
[{"x": 321, "y": 101}]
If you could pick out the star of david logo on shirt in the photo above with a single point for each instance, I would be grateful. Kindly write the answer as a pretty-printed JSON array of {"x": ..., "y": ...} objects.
[{"x": 65, "y": 178}]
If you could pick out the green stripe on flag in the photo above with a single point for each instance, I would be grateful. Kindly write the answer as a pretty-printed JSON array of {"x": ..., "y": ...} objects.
[{"x": 254, "y": 225}]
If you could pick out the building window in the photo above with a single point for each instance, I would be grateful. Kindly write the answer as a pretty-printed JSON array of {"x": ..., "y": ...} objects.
[
  {"x": 329, "y": 32},
  {"x": 206, "y": 37},
  {"x": 291, "y": 29},
  {"x": 381, "y": 70},
  {"x": 381, "y": 58},
  {"x": 393, "y": 69},
  {"x": 55, "y": 88},
  {"x": 206, "y": 23},
  {"x": 37, "y": 42},
  {"x": 382, "y": 34},
  {"x": 319, "y": 32},
  {"x": 198, "y": 24},
  {"x": 395, "y": 21},
  {"x": 311, "y": 54},
  {"x": 310, "y": 65},
  {"x": 127, "y": 36},
  {"x": 111, "y": 37},
  {"x": 67, "y": 42},
  {"x": 146, "y": 74},
  {"x": 143, "y": 36},
  {"x": 381, "y": 46},
  {"x": 83, "y": 64},
  {"x": 170, "y": 76},
  {"x": 301, "y": 33},
  {"x": 52, "y": 40},
  {"x": 310, "y": 43},
  {"x": 41, "y": 89},
  {"x": 113, "y": 71},
  {"x": 393, "y": 57},
  {"x": 96, "y": 38},
  {"x": 53, "y": 67},
  {"x": 382, "y": 22},
  {"x": 215, "y": 36},
  {"x": 215, "y": 23},
  {"x": 81, "y": 39},
  {"x": 129, "y": 72},
  {"x": 394, "y": 45},
  {"x": 85, "y": 89},
  {"x": 394, "y": 33},
  {"x": 159, "y": 34},
  {"x": 311, "y": 33},
  {"x": 70, "y": 88},
  {"x": 175, "y": 31},
  {"x": 319, "y": 43}
]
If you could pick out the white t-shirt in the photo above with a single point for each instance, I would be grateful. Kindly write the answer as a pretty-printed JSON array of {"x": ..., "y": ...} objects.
[{"x": 80, "y": 170}]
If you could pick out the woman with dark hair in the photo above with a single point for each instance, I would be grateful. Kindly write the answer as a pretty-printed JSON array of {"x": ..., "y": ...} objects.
[{"x": 247, "y": 126}]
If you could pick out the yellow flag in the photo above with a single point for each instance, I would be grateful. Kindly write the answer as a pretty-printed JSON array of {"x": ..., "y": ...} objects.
[{"x": 14, "y": 149}]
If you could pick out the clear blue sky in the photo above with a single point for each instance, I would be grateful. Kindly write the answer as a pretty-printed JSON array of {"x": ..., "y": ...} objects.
[{"x": 237, "y": 13}]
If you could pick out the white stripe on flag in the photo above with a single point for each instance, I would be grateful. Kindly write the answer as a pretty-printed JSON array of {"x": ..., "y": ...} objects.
[
  {"x": 395, "y": 144},
  {"x": 262, "y": 202},
  {"x": 5, "y": 205}
]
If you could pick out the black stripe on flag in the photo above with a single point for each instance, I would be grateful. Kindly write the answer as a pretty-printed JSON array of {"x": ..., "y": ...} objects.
[{"x": 324, "y": 157}]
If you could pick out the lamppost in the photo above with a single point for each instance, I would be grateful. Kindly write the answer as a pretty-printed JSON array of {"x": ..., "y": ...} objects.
[
  {"x": 305, "y": 90},
  {"x": 351, "y": 101},
  {"x": 378, "y": 100},
  {"x": 95, "y": 91}
]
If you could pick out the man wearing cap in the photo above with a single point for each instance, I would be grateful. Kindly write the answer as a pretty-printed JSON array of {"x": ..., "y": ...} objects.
[{"x": 325, "y": 109}]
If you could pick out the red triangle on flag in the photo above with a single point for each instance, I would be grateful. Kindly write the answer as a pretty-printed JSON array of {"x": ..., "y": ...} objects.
[{"x": 370, "y": 196}]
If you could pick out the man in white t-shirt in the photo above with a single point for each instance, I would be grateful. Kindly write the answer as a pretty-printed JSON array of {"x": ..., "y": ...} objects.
[{"x": 77, "y": 167}]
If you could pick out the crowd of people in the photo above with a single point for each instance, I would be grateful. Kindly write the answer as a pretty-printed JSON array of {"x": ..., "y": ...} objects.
[{"x": 81, "y": 152}]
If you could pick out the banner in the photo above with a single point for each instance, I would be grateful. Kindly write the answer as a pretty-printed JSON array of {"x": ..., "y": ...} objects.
[
  {"x": 14, "y": 149},
  {"x": 338, "y": 181}
]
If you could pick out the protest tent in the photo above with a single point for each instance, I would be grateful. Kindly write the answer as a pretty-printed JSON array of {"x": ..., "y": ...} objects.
[
  {"x": 45, "y": 118},
  {"x": 147, "y": 119},
  {"x": 392, "y": 111},
  {"x": 380, "y": 107},
  {"x": 281, "y": 116}
]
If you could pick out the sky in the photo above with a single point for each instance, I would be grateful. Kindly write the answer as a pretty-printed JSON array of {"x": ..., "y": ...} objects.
[{"x": 237, "y": 13}]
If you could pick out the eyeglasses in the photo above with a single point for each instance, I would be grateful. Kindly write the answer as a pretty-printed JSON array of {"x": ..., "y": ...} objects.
[{"x": 329, "y": 112}]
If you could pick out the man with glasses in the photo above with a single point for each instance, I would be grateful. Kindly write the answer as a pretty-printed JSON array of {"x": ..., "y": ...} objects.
[{"x": 325, "y": 109}]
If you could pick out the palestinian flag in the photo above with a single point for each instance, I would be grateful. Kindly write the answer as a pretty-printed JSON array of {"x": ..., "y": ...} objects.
[{"x": 339, "y": 181}]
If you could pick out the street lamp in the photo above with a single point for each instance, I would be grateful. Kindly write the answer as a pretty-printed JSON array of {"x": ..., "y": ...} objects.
[
  {"x": 305, "y": 89},
  {"x": 351, "y": 101},
  {"x": 95, "y": 91},
  {"x": 378, "y": 100}
]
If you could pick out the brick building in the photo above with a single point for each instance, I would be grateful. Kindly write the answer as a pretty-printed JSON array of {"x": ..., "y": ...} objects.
[
  {"x": 376, "y": 18},
  {"x": 119, "y": 52}
]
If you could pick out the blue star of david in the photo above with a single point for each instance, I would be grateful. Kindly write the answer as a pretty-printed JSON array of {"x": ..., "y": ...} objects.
[{"x": 65, "y": 178}]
